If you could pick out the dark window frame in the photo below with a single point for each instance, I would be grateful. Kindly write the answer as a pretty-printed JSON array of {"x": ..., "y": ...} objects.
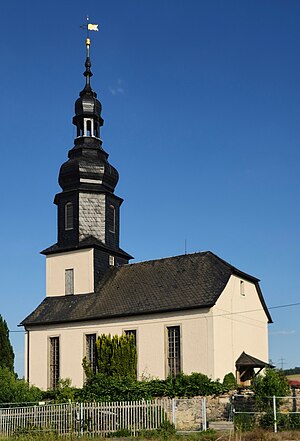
[
  {"x": 69, "y": 216},
  {"x": 174, "y": 351},
  {"x": 91, "y": 351},
  {"x": 111, "y": 218},
  {"x": 54, "y": 361}
]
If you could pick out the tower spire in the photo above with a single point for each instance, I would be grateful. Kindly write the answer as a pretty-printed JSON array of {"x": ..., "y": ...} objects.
[
  {"x": 88, "y": 108},
  {"x": 88, "y": 73}
]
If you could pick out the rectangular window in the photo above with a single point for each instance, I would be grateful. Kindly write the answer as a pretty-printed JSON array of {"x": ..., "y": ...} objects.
[
  {"x": 111, "y": 260},
  {"x": 54, "y": 362},
  {"x": 242, "y": 288},
  {"x": 131, "y": 332},
  {"x": 111, "y": 215},
  {"x": 90, "y": 351},
  {"x": 69, "y": 281},
  {"x": 69, "y": 216},
  {"x": 173, "y": 351}
]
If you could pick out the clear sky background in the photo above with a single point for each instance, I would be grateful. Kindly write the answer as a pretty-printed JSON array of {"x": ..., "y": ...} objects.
[{"x": 201, "y": 102}]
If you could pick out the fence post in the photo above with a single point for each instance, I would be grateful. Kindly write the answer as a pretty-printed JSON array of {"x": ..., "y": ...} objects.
[
  {"x": 275, "y": 414},
  {"x": 174, "y": 411},
  {"x": 81, "y": 419},
  {"x": 204, "y": 421}
]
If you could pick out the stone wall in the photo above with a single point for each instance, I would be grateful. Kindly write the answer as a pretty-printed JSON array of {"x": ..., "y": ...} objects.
[{"x": 189, "y": 411}]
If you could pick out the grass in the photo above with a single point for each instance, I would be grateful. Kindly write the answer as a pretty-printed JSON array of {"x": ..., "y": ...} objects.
[{"x": 209, "y": 435}]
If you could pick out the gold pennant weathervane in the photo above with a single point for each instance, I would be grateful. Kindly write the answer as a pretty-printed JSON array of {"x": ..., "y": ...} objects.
[{"x": 89, "y": 27}]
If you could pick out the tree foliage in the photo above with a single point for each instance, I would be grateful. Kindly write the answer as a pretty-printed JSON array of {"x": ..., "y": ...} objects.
[
  {"x": 63, "y": 393},
  {"x": 116, "y": 355},
  {"x": 14, "y": 390},
  {"x": 273, "y": 382},
  {"x": 292, "y": 371},
  {"x": 6, "y": 350}
]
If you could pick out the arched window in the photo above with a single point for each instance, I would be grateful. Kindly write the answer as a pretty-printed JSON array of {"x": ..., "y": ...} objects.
[
  {"x": 96, "y": 132},
  {"x": 111, "y": 219},
  {"x": 69, "y": 216},
  {"x": 88, "y": 128}
]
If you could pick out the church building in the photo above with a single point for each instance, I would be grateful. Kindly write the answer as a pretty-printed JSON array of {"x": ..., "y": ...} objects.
[{"x": 188, "y": 313}]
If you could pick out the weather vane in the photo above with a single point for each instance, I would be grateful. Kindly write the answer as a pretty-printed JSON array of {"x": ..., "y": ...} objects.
[{"x": 89, "y": 27}]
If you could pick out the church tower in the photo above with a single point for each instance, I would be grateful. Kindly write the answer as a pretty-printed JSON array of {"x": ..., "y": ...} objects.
[{"x": 88, "y": 211}]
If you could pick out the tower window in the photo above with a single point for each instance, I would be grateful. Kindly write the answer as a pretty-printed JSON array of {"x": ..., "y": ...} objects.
[
  {"x": 69, "y": 281},
  {"x": 69, "y": 216},
  {"x": 173, "y": 351},
  {"x": 96, "y": 132},
  {"x": 53, "y": 362},
  {"x": 88, "y": 128},
  {"x": 111, "y": 219},
  {"x": 242, "y": 288},
  {"x": 111, "y": 261},
  {"x": 90, "y": 351}
]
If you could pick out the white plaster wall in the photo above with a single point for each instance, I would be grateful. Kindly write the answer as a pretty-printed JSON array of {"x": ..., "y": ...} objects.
[
  {"x": 82, "y": 261},
  {"x": 196, "y": 336},
  {"x": 240, "y": 324}
]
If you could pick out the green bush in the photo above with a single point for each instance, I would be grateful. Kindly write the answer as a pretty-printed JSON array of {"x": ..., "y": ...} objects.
[
  {"x": 100, "y": 387},
  {"x": 103, "y": 388},
  {"x": 164, "y": 432},
  {"x": 272, "y": 382},
  {"x": 63, "y": 393},
  {"x": 284, "y": 421},
  {"x": 229, "y": 381},
  {"x": 14, "y": 390},
  {"x": 192, "y": 385},
  {"x": 244, "y": 422}
]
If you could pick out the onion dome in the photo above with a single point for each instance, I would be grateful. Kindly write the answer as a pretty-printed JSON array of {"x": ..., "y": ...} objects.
[{"x": 88, "y": 168}]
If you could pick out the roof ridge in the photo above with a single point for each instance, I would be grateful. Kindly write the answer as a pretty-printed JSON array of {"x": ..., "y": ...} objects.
[{"x": 168, "y": 258}]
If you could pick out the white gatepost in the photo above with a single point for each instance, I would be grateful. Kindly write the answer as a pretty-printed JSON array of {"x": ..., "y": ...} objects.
[
  {"x": 174, "y": 412},
  {"x": 204, "y": 420},
  {"x": 275, "y": 414}
]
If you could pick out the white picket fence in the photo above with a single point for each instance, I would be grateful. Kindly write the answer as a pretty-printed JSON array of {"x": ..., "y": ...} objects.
[{"x": 82, "y": 418}]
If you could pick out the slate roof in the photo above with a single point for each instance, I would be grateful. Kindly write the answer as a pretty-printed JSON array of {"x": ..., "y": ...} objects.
[
  {"x": 177, "y": 283},
  {"x": 88, "y": 242}
]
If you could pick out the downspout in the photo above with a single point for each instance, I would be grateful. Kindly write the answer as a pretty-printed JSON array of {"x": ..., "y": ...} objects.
[{"x": 27, "y": 361}]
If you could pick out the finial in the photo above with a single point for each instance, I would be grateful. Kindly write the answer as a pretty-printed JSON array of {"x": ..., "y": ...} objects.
[{"x": 88, "y": 74}]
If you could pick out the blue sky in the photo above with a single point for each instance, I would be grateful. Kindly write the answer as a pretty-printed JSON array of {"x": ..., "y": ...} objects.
[{"x": 201, "y": 102}]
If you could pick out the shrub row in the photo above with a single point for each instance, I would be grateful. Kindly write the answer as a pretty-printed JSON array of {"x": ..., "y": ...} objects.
[{"x": 100, "y": 387}]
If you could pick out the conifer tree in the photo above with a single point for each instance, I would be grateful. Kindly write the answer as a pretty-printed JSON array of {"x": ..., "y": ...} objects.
[
  {"x": 117, "y": 356},
  {"x": 6, "y": 350}
]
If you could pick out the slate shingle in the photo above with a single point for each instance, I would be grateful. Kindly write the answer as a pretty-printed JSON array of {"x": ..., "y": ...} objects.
[{"x": 171, "y": 284}]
